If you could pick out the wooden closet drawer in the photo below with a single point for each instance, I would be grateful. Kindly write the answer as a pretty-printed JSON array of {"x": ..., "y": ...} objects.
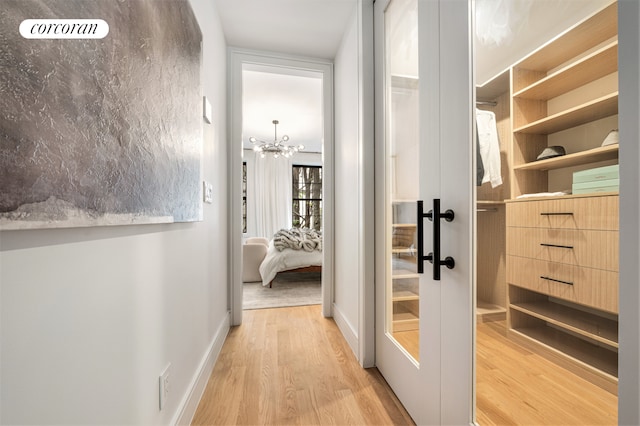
[
  {"x": 588, "y": 248},
  {"x": 565, "y": 213},
  {"x": 587, "y": 286}
]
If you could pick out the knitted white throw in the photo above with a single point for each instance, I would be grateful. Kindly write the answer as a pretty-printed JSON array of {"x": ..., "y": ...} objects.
[{"x": 298, "y": 239}]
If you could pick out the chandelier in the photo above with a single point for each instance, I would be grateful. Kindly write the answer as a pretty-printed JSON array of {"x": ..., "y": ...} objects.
[{"x": 277, "y": 147}]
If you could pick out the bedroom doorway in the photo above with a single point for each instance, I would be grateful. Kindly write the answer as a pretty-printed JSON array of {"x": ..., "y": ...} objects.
[{"x": 281, "y": 121}]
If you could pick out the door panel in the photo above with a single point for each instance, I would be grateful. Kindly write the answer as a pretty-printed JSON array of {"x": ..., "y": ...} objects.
[
  {"x": 397, "y": 144},
  {"x": 424, "y": 129}
]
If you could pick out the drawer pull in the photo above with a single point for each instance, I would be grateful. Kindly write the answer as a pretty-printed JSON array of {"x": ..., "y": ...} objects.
[
  {"x": 555, "y": 245},
  {"x": 557, "y": 214},
  {"x": 557, "y": 281}
]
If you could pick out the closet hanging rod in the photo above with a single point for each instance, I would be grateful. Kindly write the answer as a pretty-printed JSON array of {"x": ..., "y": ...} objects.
[
  {"x": 489, "y": 103},
  {"x": 487, "y": 210}
]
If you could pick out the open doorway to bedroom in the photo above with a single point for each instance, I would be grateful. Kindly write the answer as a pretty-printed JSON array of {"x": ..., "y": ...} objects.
[
  {"x": 280, "y": 124},
  {"x": 281, "y": 187}
]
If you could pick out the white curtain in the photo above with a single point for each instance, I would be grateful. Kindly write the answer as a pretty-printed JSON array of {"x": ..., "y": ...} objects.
[{"x": 272, "y": 183}]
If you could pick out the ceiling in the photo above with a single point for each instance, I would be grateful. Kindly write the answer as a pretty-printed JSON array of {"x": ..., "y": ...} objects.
[
  {"x": 294, "y": 100},
  {"x": 312, "y": 28},
  {"x": 315, "y": 28},
  {"x": 309, "y": 28}
]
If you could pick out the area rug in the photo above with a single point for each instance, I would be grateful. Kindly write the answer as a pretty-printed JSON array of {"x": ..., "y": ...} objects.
[{"x": 289, "y": 289}]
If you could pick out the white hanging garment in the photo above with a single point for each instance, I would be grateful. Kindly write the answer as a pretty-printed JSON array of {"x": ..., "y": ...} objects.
[{"x": 489, "y": 147}]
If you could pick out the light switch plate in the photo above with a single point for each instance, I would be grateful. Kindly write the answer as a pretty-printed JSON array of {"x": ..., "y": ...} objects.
[{"x": 207, "y": 190}]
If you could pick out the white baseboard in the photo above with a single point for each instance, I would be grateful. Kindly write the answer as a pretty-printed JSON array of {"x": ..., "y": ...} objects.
[
  {"x": 350, "y": 335},
  {"x": 190, "y": 401}
]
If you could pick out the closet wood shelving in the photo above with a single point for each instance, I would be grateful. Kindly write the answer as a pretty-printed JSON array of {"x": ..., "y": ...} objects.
[
  {"x": 583, "y": 55},
  {"x": 568, "y": 82},
  {"x": 404, "y": 298},
  {"x": 488, "y": 205},
  {"x": 403, "y": 250},
  {"x": 596, "y": 109},
  {"x": 399, "y": 274},
  {"x": 581, "y": 61},
  {"x": 609, "y": 152},
  {"x": 605, "y": 331},
  {"x": 572, "y": 352},
  {"x": 571, "y": 44},
  {"x": 602, "y": 62}
]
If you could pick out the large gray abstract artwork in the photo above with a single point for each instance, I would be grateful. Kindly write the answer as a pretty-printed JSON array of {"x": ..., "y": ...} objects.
[{"x": 103, "y": 131}]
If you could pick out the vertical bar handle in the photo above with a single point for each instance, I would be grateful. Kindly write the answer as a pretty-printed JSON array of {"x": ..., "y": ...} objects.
[
  {"x": 436, "y": 239},
  {"x": 421, "y": 257},
  {"x": 433, "y": 257}
]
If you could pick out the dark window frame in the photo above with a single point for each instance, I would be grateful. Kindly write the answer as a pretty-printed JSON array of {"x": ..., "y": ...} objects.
[
  {"x": 314, "y": 217},
  {"x": 244, "y": 197}
]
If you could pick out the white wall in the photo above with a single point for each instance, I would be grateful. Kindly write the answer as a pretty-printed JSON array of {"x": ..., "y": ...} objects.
[
  {"x": 348, "y": 168},
  {"x": 91, "y": 316}
]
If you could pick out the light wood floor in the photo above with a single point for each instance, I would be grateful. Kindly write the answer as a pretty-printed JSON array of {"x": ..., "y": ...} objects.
[
  {"x": 516, "y": 386},
  {"x": 292, "y": 366}
]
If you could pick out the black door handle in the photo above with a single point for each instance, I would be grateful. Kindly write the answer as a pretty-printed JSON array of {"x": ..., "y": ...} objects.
[{"x": 434, "y": 257}]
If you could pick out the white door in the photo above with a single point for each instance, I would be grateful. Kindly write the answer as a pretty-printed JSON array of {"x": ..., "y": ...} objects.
[{"x": 424, "y": 128}]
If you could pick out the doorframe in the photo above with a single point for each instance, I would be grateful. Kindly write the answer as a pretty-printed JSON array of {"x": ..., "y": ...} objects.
[
  {"x": 629, "y": 158},
  {"x": 236, "y": 59},
  {"x": 368, "y": 146}
]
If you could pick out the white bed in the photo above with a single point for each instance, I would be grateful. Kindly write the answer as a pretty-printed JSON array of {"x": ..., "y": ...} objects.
[{"x": 288, "y": 260}]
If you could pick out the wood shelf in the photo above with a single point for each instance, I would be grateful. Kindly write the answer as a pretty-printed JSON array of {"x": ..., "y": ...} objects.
[
  {"x": 598, "y": 64},
  {"x": 404, "y": 295},
  {"x": 602, "y": 107},
  {"x": 561, "y": 197},
  {"x": 597, "y": 328},
  {"x": 490, "y": 202},
  {"x": 609, "y": 152},
  {"x": 494, "y": 87},
  {"x": 403, "y": 225},
  {"x": 590, "y": 356},
  {"x": 487, "y": 307},
  {"x": 404, "y": 250},
  {"x": 486, "y": 311},
  {"x": 405, "y": 321},
  {"x": 403, "y": 274}
]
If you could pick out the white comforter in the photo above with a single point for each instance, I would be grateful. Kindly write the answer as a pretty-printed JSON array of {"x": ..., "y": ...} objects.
[{"x": 277, "y": 261}]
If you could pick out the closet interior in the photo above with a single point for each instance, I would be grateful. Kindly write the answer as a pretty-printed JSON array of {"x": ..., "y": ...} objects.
[
  {"x": 491, "y": 229},
  {"x": 547, "y": 238}
]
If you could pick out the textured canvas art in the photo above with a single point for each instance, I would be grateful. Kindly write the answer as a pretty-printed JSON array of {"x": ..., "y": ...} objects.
[{"x": 100, "y": 131}]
